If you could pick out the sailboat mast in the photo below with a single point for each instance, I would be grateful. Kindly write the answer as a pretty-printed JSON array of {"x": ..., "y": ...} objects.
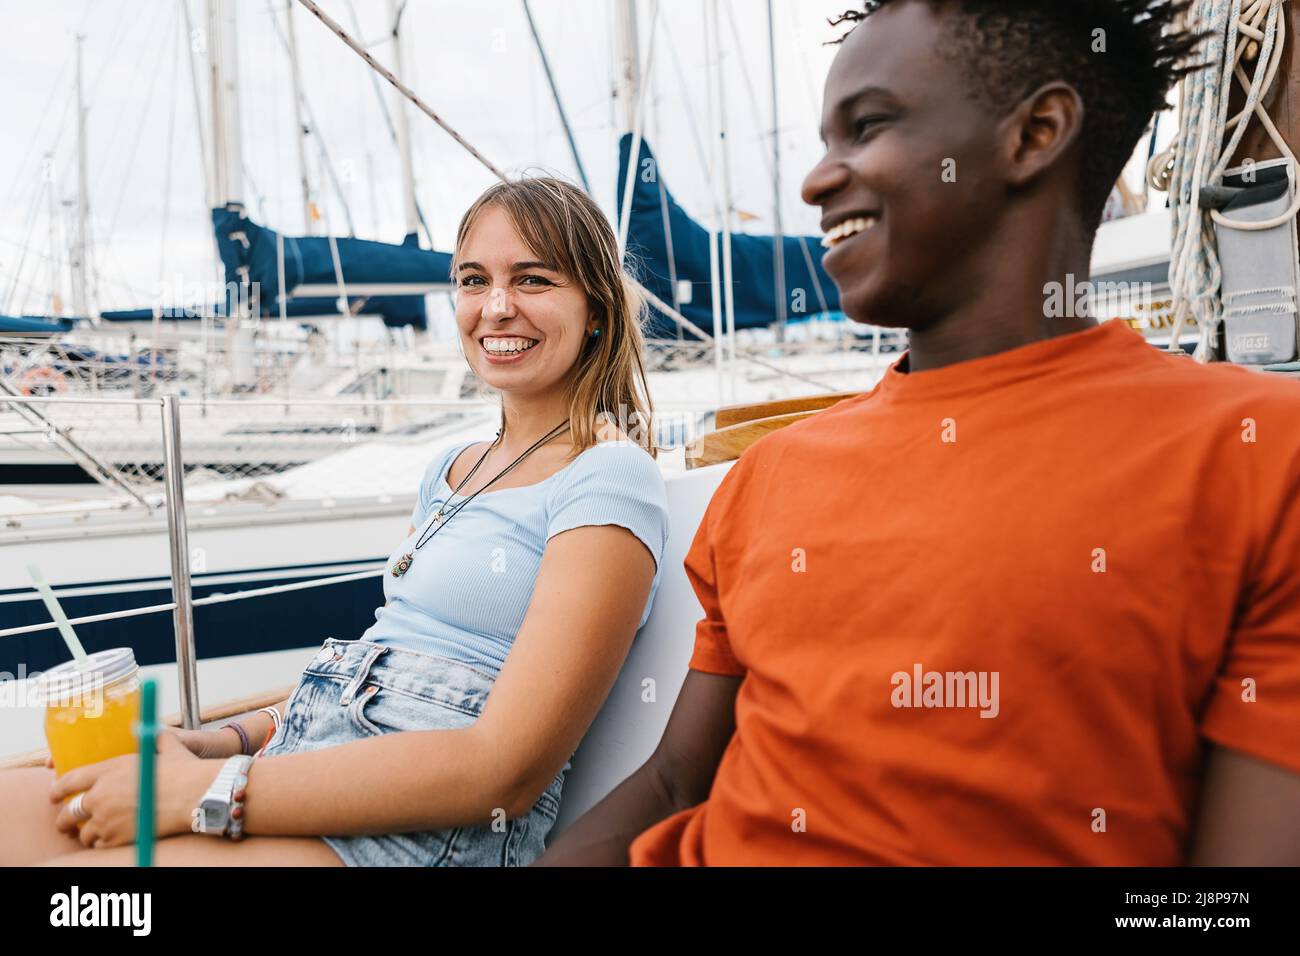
[
  {"x": 56, "y": 303},
  {"x": 220, "y": 188},
  {"x": 230, "y": 62},
  {"x": 715, "y": 282},
  {"x": 223, "y": 91},
  {"x": 81, "y": 305},
  {"x": 227, "y": 175},
  {"x": 308, "y": 220},
  {"x": 724, "y": 156},
  {"x": 629, "y": 63},
  {"x": 403, "y": 127},
  {"x": 778, "y": 238}
]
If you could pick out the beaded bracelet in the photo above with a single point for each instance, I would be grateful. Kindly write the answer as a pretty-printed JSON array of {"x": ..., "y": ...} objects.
[
  {"x": 235, "y": 827},
  {"x": 244, "y": 743}
]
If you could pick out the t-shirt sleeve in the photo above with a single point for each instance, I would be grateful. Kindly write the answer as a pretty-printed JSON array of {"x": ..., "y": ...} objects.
[
  {"x": 713, "y": 653},
  {"x": 613, "y": 484},
  {"x": 1254, "y": 706}
]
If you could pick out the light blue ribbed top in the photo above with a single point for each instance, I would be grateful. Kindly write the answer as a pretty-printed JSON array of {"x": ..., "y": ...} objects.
[{"x": 467, "y": 591}]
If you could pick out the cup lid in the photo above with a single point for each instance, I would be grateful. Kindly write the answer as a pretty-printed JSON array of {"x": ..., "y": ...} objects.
[{"x": 102, "y": 669}]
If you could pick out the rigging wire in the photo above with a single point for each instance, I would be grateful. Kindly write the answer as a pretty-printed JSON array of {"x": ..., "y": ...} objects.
[
  {"x": 693, "y": 122},
  {"x": 45, "y": 114},
  {"x": 314, "y": 128},
  {"x": 771, "y": 168},
  {"x": 33, "y": 287},
  {"x": 166, "y": 216},
  {"x": 167, "y": 177},
  {"x": 30, "y": 219},
  {"x": 668, "y": 242},
  {"x": 141, "y": 65},
  {"x": 392, "y": 36},
  {"x": 200, "y": 136},
  {"x": 50, "y": 178},
  {"x": 749, "y": 86},
  {"x": 134, "y": 290},
  {"x": 555, "y": 94},
  {"x": 139, "y": 134}
]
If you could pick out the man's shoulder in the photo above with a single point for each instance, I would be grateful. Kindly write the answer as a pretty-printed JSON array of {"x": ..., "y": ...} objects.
[
  {"x": 1253, "y": 383},
  {"x": 1219, "y": 392},
  {"x": 1178, "y": 368}
]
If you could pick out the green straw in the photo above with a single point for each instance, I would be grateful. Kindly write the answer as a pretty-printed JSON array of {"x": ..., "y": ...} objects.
[
  {"x": 147, "y": 729},
  {"x": 56, "y": 613}
]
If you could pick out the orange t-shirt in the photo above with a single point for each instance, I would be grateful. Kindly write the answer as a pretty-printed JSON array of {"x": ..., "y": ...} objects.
[{"x": 992, "y": 613}]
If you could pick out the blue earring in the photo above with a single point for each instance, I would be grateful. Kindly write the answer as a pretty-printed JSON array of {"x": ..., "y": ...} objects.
[{"x": 595, "y": 333}]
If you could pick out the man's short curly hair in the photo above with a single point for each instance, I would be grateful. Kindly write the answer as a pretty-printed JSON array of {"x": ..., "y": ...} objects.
[{"x": 1121, "y": 56}]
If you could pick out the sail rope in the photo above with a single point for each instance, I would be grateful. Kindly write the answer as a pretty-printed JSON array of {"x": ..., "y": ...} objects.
[
  {"x": 1239, "y": 31},
  {"x": 399, "y": 85}
]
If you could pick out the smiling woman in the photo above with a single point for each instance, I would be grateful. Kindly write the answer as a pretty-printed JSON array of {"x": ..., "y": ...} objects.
[
  {"x": 442, "y": 735},
  {"x": 542, "y": 293}
]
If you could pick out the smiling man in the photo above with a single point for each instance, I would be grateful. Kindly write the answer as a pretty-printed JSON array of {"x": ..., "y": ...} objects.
[{"x": 1035, "y": 599}]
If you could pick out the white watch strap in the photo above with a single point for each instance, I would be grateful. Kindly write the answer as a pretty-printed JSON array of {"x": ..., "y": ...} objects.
[
  {"x": 223, "y": 786},
  {"x": 212, "y": 815}
]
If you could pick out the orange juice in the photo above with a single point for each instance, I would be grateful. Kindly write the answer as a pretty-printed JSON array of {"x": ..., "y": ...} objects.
[{"x": 91, "y": 712}]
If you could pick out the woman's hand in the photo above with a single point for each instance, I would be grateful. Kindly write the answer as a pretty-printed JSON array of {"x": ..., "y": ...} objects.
[
  {"x": 208, "y": 744},
  {"x": 111, "y": 793}
]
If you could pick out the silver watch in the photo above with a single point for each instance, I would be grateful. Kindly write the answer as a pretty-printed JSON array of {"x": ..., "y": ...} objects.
[{"x": 214, "y": 808}]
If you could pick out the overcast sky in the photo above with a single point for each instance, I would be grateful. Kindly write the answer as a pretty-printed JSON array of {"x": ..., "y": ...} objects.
[{"x": 473, "y": 62}]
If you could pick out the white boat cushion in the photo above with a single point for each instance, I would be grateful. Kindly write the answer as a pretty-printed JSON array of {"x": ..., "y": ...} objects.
[{"x": 628, "y": 728}]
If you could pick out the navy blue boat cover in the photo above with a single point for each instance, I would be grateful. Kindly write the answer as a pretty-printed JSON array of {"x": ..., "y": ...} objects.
[
  {"x": 27, "y": 324},
  {"x": 248, "y": 253},
  {"x": 809, "y": 290}
]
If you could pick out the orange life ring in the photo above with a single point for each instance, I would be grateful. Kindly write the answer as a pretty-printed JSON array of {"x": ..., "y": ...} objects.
[{"x": 45, "y": 378}]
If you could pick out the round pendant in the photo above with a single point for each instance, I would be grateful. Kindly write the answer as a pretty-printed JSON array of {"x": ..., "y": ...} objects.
[{"x": 402, "y": 565}]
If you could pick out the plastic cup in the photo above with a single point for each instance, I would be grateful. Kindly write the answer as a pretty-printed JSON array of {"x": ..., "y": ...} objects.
[{"x": 91, "y": 711}]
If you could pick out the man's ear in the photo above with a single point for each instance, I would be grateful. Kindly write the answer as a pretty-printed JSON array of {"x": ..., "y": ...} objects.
[{"x": 1040, "y": 131}]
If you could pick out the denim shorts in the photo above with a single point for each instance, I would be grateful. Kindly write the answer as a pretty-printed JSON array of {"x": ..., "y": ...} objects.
[{"x": 358, "y": 689}]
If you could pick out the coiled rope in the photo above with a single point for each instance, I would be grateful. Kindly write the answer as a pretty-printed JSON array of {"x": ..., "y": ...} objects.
[{"x": 1253, "y": 30}]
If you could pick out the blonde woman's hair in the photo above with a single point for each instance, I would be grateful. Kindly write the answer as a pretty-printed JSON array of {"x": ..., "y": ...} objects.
[{"x": 562, "y": 225}]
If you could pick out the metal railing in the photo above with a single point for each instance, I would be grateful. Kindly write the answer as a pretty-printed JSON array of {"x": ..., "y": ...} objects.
[
  {"x": 178, "y": 537},
  {"x": 170, "y": 497},
  {"x": 173, "y": 501},
  {"x": 253, "y": 360}
]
